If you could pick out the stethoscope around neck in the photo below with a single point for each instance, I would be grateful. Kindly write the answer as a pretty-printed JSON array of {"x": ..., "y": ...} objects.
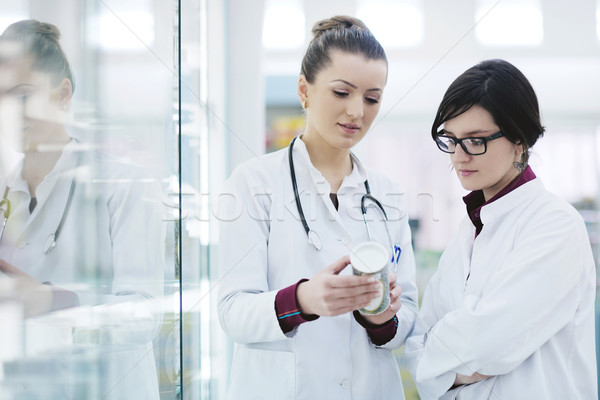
[
  {"x": 313, "y": 238},
  {"x": 50, "y": 243}
]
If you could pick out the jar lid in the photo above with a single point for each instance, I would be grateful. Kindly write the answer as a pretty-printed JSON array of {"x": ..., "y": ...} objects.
[{"x": 369, "y": 257}]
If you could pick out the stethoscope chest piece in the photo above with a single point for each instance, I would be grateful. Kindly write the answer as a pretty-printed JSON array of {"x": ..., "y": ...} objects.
[
  {"x": 314, "y": 240},
  {"x": 50, "y": 243}
]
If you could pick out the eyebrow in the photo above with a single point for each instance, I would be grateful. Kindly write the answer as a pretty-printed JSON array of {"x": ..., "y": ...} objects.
[
  {"x": 470, "y": 133},
  {"x": 14, "y": 88},
  {"x": 356, "y": 87}
]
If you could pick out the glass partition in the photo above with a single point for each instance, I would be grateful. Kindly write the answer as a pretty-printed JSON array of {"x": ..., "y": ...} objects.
[{"x": 93, "y": 237}]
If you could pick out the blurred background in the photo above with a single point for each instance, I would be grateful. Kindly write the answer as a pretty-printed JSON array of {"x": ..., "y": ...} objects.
[{"x": 191, "y": 88}]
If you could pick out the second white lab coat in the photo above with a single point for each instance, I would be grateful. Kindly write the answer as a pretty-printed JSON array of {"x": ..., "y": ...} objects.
[
  {"x": 110, "y": 253},
  {"x": 516, "y": 303},
  {"x": 264, "y": 248}
]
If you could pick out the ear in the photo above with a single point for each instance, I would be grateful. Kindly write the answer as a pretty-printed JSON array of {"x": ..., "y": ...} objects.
[
  {"x": 520, "y": 148},
  {"x": 302, "y": 89},
  {"x": 64, "y": 93}
]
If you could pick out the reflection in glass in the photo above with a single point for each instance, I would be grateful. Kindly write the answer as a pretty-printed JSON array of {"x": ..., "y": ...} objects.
[
  {"x": 82, "y": 253},
  {"x": 598, "y": 19},
  {"x": 123, "y": 26}
]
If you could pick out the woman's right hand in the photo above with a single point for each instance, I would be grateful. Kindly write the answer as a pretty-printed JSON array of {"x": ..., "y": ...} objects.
[{"x": 329, "y": 294}]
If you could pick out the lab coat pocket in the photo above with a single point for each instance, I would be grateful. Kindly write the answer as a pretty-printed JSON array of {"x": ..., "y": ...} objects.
[{"x": 262, "y": 374}]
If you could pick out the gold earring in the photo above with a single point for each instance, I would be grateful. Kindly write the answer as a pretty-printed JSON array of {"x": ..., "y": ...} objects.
[{"x": 304, "y": 104}]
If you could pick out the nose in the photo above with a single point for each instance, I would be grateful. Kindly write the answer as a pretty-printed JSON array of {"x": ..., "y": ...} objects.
[
  {"x": 460, "y": 155},
  {"x": 355, "y": 108}
]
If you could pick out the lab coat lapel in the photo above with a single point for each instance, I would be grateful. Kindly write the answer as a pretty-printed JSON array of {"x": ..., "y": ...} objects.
[
  {"x": 53, "y": 192},
  {"x": 312, "y": 178},
  {"x": 311, "y": 182},
  {"x": 17, "y": 196},
  {"x": 466, "y": 250},
  {"x": 349, "y": 195}
]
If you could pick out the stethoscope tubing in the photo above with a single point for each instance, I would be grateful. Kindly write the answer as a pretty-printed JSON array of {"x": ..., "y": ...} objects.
[
  {"x": 4, "y": 205},
  {"x": 50, "y": 243},
  {"x": 313, "y": 237},
  {"x": 295, "y": 186}
]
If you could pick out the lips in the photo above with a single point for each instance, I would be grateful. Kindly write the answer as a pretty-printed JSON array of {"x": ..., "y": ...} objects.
[
  {"x": 466, "y": 172},
  {"x": 349, "y": 128}
]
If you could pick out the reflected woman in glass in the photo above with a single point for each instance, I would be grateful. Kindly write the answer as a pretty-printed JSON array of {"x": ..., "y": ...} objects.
[
  {"x": 81, "y": 237},
  {"x": 509, "y": 314}
]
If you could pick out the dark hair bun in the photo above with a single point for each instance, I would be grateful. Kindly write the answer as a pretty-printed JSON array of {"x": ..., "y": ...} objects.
[
  {"x": 344, "y": 33},
  {"x": 50, "y": 31},
  {"x": 30, "y": 27},
  {"x": 41, "y": 40},
  {"x": 338, "y": 22}
]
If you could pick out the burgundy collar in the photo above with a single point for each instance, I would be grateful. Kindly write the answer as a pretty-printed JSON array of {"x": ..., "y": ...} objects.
[{"x": 475, "y": 200}]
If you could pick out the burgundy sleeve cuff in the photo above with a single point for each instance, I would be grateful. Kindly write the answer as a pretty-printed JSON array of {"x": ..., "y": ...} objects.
[
  {"x": 287, "y": 308},
  {"x": 379, "y": 334}
]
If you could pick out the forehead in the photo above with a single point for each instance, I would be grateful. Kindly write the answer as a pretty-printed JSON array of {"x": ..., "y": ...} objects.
[
  {"x": 15, "y": 67},
  {"x": 20, "y": 72},
  {"x": 354, "y": 68},
  {"x": 475, "y": 118}
]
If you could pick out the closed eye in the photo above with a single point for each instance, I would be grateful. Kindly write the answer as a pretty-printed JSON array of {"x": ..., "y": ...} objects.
[
  {"x": 371, "y": 100},
  {"x": 340, "y": 94},
  {"x": 21, "y": 91}
]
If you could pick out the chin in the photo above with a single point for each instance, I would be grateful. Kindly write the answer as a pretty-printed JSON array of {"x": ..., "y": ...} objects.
[
  {"x": 344, "y": 143},
  {"x": 470, "y": 186}
]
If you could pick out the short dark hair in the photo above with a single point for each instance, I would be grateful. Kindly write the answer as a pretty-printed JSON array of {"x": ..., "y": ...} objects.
[
  {"x": 41, "y": 41},
  {"x": 343, "y": 33},
  {"x": 502, "y": 90}
]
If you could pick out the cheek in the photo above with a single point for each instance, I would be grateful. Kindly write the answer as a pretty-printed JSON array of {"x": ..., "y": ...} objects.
[
  {"x": 39, "y": 106},
  {"x": 11, "y": 121},
  {"x": 506, "y": 157},
  {"x": 371, "y": 112},
  {"x": 499, "y": 165}
]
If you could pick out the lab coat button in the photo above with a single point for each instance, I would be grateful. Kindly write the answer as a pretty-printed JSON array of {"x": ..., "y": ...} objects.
[
  {"x": 346, "y": 240},
  {"x": 346, "y": 385},
  {"x": 21, "y": 244}
]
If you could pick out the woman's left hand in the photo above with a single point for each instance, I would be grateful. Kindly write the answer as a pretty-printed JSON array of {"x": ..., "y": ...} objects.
[
  {"x": 467, "y": 380},
  {"x": 395, "y": 304}
]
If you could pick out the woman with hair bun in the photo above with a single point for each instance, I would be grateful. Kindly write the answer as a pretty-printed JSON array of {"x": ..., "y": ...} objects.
[
  {"x": 287, "y": 295},
  {"x": 509, "y": 314}
]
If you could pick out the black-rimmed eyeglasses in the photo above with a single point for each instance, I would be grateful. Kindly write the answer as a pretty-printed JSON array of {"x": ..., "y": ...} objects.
[{"x": 474, "y": 146}]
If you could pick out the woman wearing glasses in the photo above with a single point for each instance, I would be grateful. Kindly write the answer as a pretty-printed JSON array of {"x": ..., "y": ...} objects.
[{"x": 509, "y": 314}]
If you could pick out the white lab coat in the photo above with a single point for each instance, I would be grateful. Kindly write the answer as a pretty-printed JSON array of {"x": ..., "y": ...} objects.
[
  {"x": 525, "y": 315},
  {"x": 264, "y": 248},
  {"x": 109, "y": 252}
]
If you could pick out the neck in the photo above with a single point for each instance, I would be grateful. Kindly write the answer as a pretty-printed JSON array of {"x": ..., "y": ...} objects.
[
  {"x": 333, "y": 163},
  {"x": 488, "y": 194},
  {"x": 37, "y": 164}
]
